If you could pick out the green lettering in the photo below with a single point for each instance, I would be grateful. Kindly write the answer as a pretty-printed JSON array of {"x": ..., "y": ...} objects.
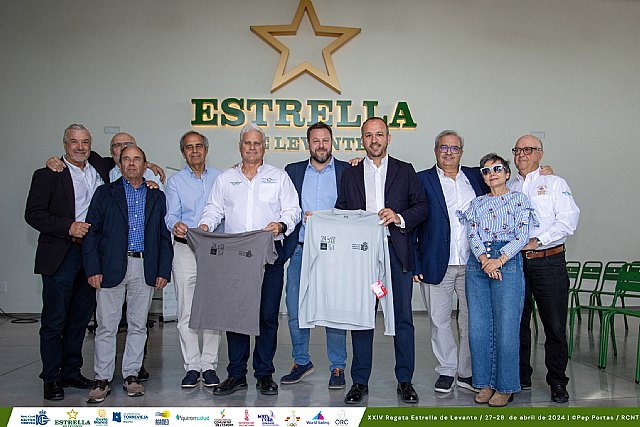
[
  {"x": 320, "y": 109},
  {"x": 260, "y": 104},
  {"x": 370, "y": 107},
  {"x": 229, "y": 110},
  {"x": 344, "y": 122},
  {"x": 286, "y": 108},
  {"x": 203, "y": 112},
  {"x": 403, "y": 114},
  {"x": 278, "y": 145},
  {"x": 293, "y": 143},
  {"x": 359, "y": 147}
]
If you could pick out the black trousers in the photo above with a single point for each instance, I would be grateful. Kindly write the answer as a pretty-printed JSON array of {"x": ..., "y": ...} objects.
[{"x": 547, "y": 280}]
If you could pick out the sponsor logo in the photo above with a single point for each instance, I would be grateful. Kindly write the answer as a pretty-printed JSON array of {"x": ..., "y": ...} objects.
[
  {"x": 222, "y": 421},
  {"x": 269, "y": 181},
  {"x": 247, "y": 254},
  {"x": 292, "y": 420},
  {"x": 268, "y": 420},
  {"x": 327, "y": 243},
  {"x": 217, "y": 249},
  {"x": 364, "y": 246},
  {"x": 541, "y": 190},
  {"x": 192, "y": 418},
  {"x": 39, "y": 419},
  {"x": 318, "y": 420},
  {"x": 341, "y": 419},
  {"x": 101, "y": 419},
  {"x": 73, "y": 420},
  {"x": 245, "y": 420},
  {"x": 162, "y": 418}
]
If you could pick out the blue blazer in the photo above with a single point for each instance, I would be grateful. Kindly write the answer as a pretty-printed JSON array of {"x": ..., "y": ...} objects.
[
  {"x": 296, "y": 173},
  {"x": 105, "y": 246},
  {"x": 434, "y": 234},
  {"x": 402, "y": 193}
]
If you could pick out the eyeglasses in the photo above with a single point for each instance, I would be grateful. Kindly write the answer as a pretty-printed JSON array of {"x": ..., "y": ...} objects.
[
  {"x": 121, "y": 144},
  {"x": 454, "y": 149},
  {"x": 494, "y": 168},
  {"x": 526, "y": 150}
]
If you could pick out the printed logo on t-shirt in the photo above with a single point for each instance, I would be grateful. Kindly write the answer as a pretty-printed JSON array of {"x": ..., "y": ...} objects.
[
  {"x": 327, "y": 243},
  {"x": 217, "y": 249},
  {"x": 235, "y": 182},
  {"x": 247, "y": 254},
  {"x": 364, "y": 246},
  {"x": 268, "y": 180}
]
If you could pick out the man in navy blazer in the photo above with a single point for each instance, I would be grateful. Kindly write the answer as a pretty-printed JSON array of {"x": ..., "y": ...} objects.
[
  {"x": 57, "y": 207},
  {"x": 442, "y": 254},
  {"x": 317, "y": 182},
  {"x": 401, "y": 207},
  {"x": 127, "y": 251}
]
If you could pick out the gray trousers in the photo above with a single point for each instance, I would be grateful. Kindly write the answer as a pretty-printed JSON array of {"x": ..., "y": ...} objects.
[
  {"x": 439, "y": 302},
  {"x": 108, "y": 314}
]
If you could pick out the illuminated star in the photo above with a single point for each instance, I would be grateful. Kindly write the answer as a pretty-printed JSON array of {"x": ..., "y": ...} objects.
[
  {"x": 329, "y": 78},
  {"x": 72, "y": 414}
]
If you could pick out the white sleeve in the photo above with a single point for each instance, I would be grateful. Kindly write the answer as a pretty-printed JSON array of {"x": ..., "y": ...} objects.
[
  {"x": 213, "y": 212},
  {"x": 566, "y": 214},
  {"x": 308, "y": 257}
]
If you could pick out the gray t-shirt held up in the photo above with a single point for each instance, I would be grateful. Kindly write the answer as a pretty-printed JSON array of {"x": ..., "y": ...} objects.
[{"x": 229, "y": 281}]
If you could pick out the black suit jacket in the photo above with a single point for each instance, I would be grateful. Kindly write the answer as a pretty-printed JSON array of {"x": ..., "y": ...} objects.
[
  {"x": 296, "y": 172},
  {"x": 105, "y": 245},
  {"x": 51, "y": 210},
  {"x": 402, "y": 193}
]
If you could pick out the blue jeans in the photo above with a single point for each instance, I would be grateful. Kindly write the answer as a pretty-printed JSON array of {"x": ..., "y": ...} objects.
[
  {"x": 336, "y": 338},
  {"x": 495, "y": 308}
]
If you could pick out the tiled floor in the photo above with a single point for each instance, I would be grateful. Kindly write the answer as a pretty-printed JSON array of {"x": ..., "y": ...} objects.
[{"x": 589, "y": 386}]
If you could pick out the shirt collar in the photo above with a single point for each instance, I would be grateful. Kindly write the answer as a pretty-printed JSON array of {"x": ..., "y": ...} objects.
[
  {"x": 441, "y": 173},
  {"x": 383, "y": 162},
  {"x": 127, "y": 185},
  {"x": 330, "y": 166},
  {"x": 74, "y": 167},
  {"x": 531, "y": 175},
  {"x": 192, "y": 174}
]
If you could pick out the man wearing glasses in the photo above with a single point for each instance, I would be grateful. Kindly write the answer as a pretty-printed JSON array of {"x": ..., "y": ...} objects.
[
  {"x": 118, "y": 143},
  {"x": 443, "y": 250},
  {"x": 544, "y": 264}
]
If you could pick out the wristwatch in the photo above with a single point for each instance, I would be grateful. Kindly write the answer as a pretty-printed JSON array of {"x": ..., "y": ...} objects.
[{"x": 284, "y": 227}]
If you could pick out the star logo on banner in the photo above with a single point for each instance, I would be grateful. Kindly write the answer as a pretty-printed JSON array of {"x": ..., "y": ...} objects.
[
  {"x": 282, "y": 77},
  {"x": 72, "y": 414}
]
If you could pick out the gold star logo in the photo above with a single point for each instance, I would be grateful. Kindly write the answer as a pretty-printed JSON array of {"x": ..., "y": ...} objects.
[
  {"x": 72, "y": 414},
  {"x": 342, "y": 34}
]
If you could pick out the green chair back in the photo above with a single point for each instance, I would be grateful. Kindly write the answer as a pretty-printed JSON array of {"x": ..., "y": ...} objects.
[{"x": 573, "y": 270}]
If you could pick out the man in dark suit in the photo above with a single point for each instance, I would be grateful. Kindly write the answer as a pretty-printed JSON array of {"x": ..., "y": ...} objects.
[
  {"x": 443, "y": 250},
  {"x": 317, "y": 181},
  {"x": 127, "y": 251},
  {"x": 391, "y": 188},
  {"x": 57, "y": 207}
]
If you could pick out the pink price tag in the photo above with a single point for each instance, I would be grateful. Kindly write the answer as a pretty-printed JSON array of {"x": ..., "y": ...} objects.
[{"x": 378, "y": 289}]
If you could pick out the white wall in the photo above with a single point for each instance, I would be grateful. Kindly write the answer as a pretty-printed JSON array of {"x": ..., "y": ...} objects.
[{"x": 491, "y": 69}]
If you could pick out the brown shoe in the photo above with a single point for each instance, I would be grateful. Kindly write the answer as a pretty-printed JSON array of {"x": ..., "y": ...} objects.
[
  {"x": 484, "y": 395},
  {"x": 132, "y": 386},
  {"x": 499, "y": 400}
]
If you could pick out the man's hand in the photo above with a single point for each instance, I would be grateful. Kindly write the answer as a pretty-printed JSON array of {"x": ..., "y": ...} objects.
[
  {"x": 180, "y": 229},
  {"x": 95, "y": 281},
  {"x": 531, "y": 245},
  {"x": 356, "y": 161},
  {"x": 417, "y": 278},
  {"x": 306, "y": 215},
  {"x": 157, "y": 170},
  {"x": 389, "y": 216},
  {"x": 55, "y": 164},
  {"x": 152, "y": 184},
  {"x": 161, "y": 282},
  {"x": 203, "y": 227},
  {"x": 546, "y": 170},
  {"x": 79, "y": 229},
  {"x": 274, "y": 227}
]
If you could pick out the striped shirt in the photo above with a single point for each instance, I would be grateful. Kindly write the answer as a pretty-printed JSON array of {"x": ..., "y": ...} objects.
[
  {"x": 500, "y": 218},
  {"x": 136, "y": 199}
]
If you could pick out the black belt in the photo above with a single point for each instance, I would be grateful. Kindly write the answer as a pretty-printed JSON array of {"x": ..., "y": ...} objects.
[
  {"x": 180, "y": 239},
  {"x": 76, "y": 240},
  {"x": 544, "y": 252},
  {"x": 135, "y": 254}
]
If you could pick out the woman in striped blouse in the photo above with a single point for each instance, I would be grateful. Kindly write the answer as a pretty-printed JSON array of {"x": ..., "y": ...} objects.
[{"x": 497, "y": 228}]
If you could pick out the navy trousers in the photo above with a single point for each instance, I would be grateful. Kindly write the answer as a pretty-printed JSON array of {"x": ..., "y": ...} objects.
[
  {"x": 68, "y": 302},
  {"x": 403, "y": 341}
]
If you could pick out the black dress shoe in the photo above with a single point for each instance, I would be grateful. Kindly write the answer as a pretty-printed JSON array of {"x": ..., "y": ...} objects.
[
  {"x": 407, "y": 393},
  {"x": 356, "y": 393},
  {"x": 78, "y": 382},
  {"x": 230, "y": 385},
  {"x": 266, "y": 385},
  {"x": 559, "y": 393},
  {"x": 53, "y": 391}
]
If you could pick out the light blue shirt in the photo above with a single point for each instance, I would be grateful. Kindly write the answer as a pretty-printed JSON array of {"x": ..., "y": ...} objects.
[
  {"x": 136, "y": 201},
  {"x": 186, "y": 196},
  {"x": 116, "y": 173},
  {"x": 319, "y": 191}
]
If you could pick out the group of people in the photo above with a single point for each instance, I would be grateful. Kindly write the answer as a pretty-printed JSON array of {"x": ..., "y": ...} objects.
[{"x": 105, "y": 238}]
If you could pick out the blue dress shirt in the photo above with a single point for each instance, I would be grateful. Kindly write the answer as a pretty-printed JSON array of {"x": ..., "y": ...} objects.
[
  {"x": 136, "y": 199},
  {"x": 186, "y": 196},
  {"x": 319, "y": 191}
]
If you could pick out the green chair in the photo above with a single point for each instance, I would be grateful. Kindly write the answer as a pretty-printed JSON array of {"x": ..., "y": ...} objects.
[
  {"x": 588, "y": 283},
  {"x": 610, "y": 274},
  {"x": 628, "y": 284},
  {"x": 573, "y": 270}
]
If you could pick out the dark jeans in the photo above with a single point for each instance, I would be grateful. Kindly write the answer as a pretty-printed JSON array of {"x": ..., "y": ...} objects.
[
  {"x": 403, "y": 341},
  {"x": 68, "y": 302},
  {"x": 547, "y": 280},
  {"x": 265, "y": 348}
]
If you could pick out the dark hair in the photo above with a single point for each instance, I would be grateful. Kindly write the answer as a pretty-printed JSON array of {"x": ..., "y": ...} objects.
[
  {"x": 447, "y": 133},
  {"x": 375, "y": 118},
  {"x": 494, "y": 158},
  {"x": 204, "y": 139},
  {"x": 319, "y": 125},
  {"x": 144, "y": 156}
]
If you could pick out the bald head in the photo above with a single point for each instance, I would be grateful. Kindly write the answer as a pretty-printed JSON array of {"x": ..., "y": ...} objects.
[
  {"x": 527, "y": 154},
  {"x": 118, "y": 142}
]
